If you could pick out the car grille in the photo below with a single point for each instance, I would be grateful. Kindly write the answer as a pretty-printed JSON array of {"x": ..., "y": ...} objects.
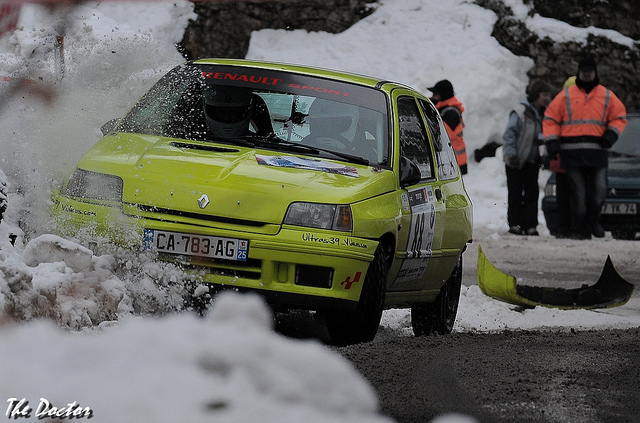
[
  {"x": 170, "y": 215},
  {"x": 250, "y": 269},
  {"x": 623, "y": 193}
]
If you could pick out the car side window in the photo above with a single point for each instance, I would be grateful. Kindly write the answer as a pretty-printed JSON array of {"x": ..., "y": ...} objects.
[
  {"x": 414, "y": 143},
  {"x": 447, "y": 164}
]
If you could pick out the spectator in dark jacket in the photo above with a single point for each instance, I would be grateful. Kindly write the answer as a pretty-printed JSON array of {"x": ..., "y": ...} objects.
[{"x": 520, "y": 147}]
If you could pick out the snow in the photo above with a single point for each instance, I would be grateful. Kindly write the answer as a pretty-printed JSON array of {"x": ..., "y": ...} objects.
[
  {"x": 99, "y": 326},
  {"x": 229, "y": 367},
  {"x": 560, "y": 31}
]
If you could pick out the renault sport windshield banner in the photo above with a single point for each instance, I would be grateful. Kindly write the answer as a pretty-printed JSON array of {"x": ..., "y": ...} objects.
[{"x": 290, "y": 82}]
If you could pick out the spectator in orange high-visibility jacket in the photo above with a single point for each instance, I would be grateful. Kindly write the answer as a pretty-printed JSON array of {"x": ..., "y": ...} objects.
[
  {"x": 580, "y": 124},
  {"x": 451, "y": 111},
  {"x": 562, "y": 186}
]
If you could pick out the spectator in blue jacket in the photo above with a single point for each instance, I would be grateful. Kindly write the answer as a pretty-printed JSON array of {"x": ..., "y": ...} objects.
[{"x": 520, "y": 147}]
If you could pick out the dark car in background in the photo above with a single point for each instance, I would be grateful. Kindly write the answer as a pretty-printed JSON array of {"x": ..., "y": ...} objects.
[{"x": 621, "y": 209}]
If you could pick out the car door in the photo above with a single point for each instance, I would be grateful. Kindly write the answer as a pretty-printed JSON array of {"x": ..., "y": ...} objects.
[
  {"x": 456, "y": 220},
  {"x": 420, "y": 237}
]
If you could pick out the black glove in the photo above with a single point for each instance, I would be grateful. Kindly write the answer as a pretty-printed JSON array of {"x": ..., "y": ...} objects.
[
  {"x": 553, "y": 148},
  {"x": 544, "y": 162},
  {"x": 608, "y": 138},
  {"x": 513, "y": 161}
]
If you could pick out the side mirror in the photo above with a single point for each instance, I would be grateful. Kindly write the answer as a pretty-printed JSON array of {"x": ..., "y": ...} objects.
[
  {"x": 109, "y": 126},
  {"x": 409, "y": 172}
]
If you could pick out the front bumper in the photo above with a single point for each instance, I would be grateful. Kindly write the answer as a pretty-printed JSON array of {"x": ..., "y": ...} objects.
[{"x": 292, "y": 267}]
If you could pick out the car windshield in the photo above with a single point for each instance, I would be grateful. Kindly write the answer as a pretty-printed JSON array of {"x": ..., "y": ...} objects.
[
  {"x": 629, "y": 142},
  {"x": 265, "y": 108}
]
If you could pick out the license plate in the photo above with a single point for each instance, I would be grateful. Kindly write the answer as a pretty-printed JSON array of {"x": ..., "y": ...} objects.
[
  {"x": 196, "y": 245},
  {"x": 619, "y": 208}
]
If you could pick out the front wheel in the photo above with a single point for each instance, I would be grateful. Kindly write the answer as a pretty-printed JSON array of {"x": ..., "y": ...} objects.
[
  {"x": 3, "y": 194},
  {"x": 346, "y": 328},
  {"x": 440, "y": 315}
]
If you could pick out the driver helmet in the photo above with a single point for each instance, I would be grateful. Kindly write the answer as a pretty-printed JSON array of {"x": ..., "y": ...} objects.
[
  {"x": 328, "y": 117},
  {"x": 227, "y": 110}
]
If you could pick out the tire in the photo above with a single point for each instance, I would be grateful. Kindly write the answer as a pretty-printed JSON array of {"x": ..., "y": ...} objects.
[
  {"x": 361, "y": 325},
  {"x": 623, "y": 235},
  {"x": 439, "y": 316},
  {"x": 4, "y": 202}
]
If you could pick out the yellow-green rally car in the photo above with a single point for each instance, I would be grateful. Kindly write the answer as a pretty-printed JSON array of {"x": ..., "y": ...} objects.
[{"x": 318, "y": 189}]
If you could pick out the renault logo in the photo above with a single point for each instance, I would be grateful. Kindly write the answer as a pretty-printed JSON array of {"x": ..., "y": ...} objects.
[{"x": 203, "y": 201}]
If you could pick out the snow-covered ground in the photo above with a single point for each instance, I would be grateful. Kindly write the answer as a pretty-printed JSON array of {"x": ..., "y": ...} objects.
[{"x": 229, "y": 366}]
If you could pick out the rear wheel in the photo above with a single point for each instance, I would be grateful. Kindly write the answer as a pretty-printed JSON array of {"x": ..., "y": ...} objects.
[
  {"x": 347, "y": 328},
  {"x": 440, "y": 315},
  {"x": 3, "y": 195}
]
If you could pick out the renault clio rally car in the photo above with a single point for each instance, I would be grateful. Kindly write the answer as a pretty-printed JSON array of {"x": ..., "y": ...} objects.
[{"x": 318, "y": 189}]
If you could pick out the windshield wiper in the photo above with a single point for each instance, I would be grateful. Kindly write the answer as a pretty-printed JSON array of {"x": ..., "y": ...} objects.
[
  {"x": 273, "y": 140},
  {"x": 348, "y": 157}
]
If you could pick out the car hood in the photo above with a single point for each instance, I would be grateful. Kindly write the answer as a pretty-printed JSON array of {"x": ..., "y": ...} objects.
[
  {"x": 240, "y": 183},
  {"x": 624, "y": 171}
]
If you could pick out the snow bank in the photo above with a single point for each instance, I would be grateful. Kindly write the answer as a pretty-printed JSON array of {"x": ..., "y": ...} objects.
[{"x": 228, "y": 367}]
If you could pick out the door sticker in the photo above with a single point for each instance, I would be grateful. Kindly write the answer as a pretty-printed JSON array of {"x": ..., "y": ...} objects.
[
  {"x": 419, "y": 244},
  {"x": 306, "y": 163},
  {"x": 447, "y": 166}
]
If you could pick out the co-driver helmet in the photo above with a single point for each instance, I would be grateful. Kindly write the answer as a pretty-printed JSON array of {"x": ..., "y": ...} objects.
[{"x": 327, "y": 117}]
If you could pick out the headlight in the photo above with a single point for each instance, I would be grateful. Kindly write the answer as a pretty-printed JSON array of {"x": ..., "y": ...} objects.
[
  {"x": 96, "y": 186},
  {"x": 322, "y": 216}
]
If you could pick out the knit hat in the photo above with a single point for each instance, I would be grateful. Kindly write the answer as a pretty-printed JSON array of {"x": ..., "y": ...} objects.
[
  {"x": 588, "y": 63},
  {"x": 444, "y": 88}
]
